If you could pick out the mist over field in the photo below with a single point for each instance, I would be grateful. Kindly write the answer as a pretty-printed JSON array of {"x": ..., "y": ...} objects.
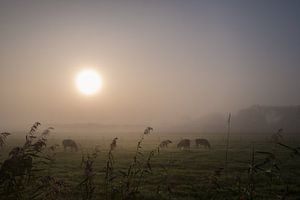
[{"x": 162, "y": 63}]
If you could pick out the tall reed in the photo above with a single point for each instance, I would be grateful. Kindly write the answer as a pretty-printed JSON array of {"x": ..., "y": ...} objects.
[{"x": 227, "y": 142}]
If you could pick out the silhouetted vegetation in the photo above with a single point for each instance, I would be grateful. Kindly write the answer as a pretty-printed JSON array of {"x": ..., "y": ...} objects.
[{"x": 26, "y": 172}]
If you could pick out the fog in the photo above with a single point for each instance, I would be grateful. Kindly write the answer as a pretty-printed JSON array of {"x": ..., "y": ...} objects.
[{"x": 163, "y": 63}]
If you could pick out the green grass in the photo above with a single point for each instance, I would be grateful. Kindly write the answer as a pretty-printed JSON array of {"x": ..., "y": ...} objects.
[{"x": 187, "y": 173}]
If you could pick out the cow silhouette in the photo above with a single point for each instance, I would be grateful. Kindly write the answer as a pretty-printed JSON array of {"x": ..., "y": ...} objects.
[
  {"x": 71, "y": 144},
  {"x": 203, "y": 142},
  {"x": 165, "y": 143},
  {"x": 184, "y": 144}
]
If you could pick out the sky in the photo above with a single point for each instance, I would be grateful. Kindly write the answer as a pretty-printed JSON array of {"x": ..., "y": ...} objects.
[{"x": 162, "y": 62}]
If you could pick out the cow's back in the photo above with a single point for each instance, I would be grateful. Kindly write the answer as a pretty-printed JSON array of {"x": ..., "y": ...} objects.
[
  {"x": 184, "y": 143},
  {"x": 203, "y": 142}
]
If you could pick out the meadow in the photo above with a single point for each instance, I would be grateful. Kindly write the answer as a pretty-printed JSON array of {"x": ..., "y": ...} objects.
[{"x": 136, "y": 168}]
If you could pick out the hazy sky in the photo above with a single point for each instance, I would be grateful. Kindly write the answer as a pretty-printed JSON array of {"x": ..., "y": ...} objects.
[{"x": 162, "y": 62}]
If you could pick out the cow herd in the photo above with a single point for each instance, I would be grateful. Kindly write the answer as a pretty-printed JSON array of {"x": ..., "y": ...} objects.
[{"x": 184, "y": 144}]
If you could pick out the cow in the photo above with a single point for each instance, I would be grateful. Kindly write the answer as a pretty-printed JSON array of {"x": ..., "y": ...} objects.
[
  {"x": 165, "y": 143},
  {"x": 184, "y": 144},
  {"x": 70, "y": 143},
  {"x": 203, "y": 142}
]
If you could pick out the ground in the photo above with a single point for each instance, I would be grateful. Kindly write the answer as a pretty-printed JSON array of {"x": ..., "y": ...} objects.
[{"x": 186, "y": 174}]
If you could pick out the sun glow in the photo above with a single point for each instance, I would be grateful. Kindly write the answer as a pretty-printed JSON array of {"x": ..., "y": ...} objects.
[{"x": 88, "y": 82}]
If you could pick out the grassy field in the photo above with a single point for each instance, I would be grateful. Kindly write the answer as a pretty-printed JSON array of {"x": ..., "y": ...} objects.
[{"x": 178, "y": 174}]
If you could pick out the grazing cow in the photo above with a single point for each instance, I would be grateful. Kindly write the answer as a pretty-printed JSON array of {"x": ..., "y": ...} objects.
[
  {"x": 165, "y": 143},
  {"x": 184, "y": 144},
  {"x": 70, "y": 143},
  {"x": 203, "y": 142}
]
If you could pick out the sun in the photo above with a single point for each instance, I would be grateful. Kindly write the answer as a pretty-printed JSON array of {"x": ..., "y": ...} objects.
[{"x": 88, "y": 82}]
